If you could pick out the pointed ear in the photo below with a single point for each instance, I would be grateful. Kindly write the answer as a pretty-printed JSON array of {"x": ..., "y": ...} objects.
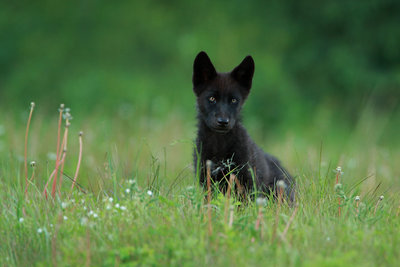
[
  {"x": 244, "y": 72},
  {"x": 203, "y": 70}
]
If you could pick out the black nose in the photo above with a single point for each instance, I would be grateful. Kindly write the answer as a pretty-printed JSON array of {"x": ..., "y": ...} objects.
[{"x": 222, "y": 121}]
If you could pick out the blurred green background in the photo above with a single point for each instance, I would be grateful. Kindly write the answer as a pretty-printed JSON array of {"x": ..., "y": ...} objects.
[{"x": 318, "y": 63}]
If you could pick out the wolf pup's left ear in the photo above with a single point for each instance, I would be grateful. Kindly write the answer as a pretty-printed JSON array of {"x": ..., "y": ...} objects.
[
  {"x": 244, "y": 72},
  {"x": 203, "y": 71}
]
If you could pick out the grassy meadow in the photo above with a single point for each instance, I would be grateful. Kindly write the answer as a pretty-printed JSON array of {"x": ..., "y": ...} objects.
[
  {"x": 138, "y": 202},
  {"x": 325, "y": 94}
]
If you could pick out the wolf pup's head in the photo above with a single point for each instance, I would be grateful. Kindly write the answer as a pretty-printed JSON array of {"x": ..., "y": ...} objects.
[{"x": 220, "y": 96}]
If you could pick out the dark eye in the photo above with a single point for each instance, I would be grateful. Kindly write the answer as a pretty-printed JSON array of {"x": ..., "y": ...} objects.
[
  {"x": 212, "y": 99},
  {"x": 234, "y": 101}
]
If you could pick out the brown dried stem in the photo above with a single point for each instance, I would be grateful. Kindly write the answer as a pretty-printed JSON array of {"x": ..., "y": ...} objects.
[
  {"x": 79, "y": 161},
  {"x": 53, "y": 190},
  {"x": 26, "y": 148}
]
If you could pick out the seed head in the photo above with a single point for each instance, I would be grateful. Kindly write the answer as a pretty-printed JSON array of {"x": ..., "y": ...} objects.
[
  {"x": 339, "y": 170},
  {"x": 80, "y": 133},
  {"x": 33, "y": 164},
  {"x": 357, "y": 198},
  {"x": 381, "y": 198},
  {"x": 209, "y": 164},
  {"x": 281, "y": 184},
  {"x": 32, "y": 104}
]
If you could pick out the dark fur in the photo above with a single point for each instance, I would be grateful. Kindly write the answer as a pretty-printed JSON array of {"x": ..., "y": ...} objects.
[{"x": 222, "y": 138}]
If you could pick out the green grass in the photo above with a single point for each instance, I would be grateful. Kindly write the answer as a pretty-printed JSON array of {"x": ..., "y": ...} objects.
[{"x": 169, "y": 227}]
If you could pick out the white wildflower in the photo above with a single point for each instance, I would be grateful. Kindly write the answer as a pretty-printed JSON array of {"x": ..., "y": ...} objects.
[
  {"x": 65, "y": 218},
  {"x": 149, "y": 193},
  {"x": 127, "y": 190},
  {"x": 122, "y": 208},
  {"x": 21, "y": 220},
  {"x": 40, "y": 230}
]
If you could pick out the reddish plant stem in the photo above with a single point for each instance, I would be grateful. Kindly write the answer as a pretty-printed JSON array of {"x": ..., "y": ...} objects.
[
  {"x": 26, "y": 148},
  {"x": 274, "y": 230},
  {"x": 79, "y": 161},
  {"x": 53, "y": 173},
  {"x": 53, "y": 190},
  {"x": 289, "y": 222},
  {"x": 64, "y": 148},
  {"x": 337, "y": 182},
  {"x": 228, "y": 196}
]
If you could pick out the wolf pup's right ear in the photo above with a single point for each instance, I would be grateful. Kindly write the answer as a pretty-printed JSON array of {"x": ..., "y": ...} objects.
[{"x": 203, "y": 71}]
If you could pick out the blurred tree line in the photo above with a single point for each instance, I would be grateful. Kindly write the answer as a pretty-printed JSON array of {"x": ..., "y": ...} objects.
[{"x": 136, "y": 56}]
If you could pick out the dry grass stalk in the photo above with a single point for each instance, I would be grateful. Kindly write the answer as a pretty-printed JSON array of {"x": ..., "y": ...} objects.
[
  {"x": 52, "y": 174},
  {"x": 228, "y": 196},
  {"x": 79, "y": 161},
  {"x": 289, "y": 222},
  {"x": 338, "y": 173},
  {"x": 377, "y": 204},
  {"x": 33, "y": 165},
  {"x": 64, "y": 148},
  {"x": 26, "y": 148},
  {"x": 53, "y": 190},
  {"x": 260, "y": 203},
  {"x": 280, "y": 186}
]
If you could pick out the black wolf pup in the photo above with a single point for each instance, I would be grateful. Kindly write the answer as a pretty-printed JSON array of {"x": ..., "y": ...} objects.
[{"x": 222, "y": 139}]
